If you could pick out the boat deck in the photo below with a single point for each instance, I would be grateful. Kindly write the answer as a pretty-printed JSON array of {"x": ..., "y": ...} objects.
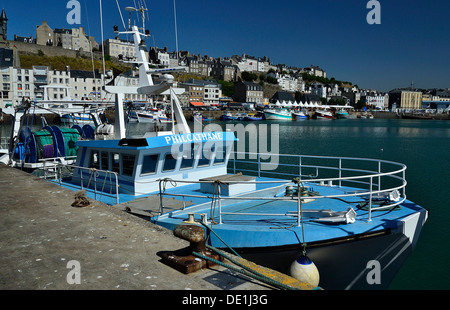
[{"x": 245, "y": 223}]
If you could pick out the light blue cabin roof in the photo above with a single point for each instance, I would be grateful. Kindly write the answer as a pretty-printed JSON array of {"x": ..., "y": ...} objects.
[{"x": 160, "y": 141}]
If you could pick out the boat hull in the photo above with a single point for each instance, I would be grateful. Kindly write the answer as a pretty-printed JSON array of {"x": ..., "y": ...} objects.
[
  {"x": 299, "y": 117},
  {"x": 342, "y": 115},
  {"x": 277, "y": 116},
  {"x": 343, "y": 264}
]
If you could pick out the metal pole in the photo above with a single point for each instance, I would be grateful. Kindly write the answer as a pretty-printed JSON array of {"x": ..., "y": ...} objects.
[{"x": 370, "y": 200}]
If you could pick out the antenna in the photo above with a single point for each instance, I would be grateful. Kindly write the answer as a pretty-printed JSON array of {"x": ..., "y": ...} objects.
[{"x": 176, "y": 32}]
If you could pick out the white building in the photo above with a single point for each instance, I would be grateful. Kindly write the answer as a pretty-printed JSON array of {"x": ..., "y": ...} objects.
[
  {"x": 379, "y": 102},
  {"x": 116, "y": 47}
]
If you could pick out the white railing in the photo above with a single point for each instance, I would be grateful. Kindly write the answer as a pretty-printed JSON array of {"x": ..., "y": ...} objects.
[
  {"x": 370, "y": 179},
  {"x": 96, "y": 181}
]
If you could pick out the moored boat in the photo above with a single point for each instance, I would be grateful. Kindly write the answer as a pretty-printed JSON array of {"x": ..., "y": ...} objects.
[
  {"x": 342, "y": 114},
  {"x": 324, "y": 114},
  {"x": 277, "y": 114},
  {"x": 299, "y": 115},
  {"x": 345, "y": 214}
]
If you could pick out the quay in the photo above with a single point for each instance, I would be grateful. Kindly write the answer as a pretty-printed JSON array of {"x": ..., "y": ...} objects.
[{"x": 42, "y": 234}]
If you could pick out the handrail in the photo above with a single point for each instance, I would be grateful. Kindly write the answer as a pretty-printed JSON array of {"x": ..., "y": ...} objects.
[
  {"x": 368, "y": 178},
  {"x": 92, "y": 178}
]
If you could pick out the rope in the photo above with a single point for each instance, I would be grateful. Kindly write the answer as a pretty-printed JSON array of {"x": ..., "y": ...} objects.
[
  {"x": 210, "y": 228},
  {"x": 247, "y": 273}
]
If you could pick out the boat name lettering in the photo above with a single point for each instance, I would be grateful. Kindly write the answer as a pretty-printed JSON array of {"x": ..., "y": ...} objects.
[{"x": 194, "y": 137}]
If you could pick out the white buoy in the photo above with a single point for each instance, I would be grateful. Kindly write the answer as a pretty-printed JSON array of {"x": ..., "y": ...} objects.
[{"x": 304, "y": 270}]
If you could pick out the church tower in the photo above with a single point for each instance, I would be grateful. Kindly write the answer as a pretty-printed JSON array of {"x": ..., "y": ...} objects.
[{"x": 3, "y": 23}]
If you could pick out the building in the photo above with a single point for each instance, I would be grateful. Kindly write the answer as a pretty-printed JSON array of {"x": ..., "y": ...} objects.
[
  {"x": 405, "y": 99},
  {"x": 224, "y": 70},
  {"x": 319, "y": 89},
  {"x": 248, "y": 92},
  {"x": 29, "y": 39},
  {"x": 86, "y": 85},
  {"x": 159, "y": 56},
  {"x": 6, "y": 77},
  {"x": 288, "y": 82},
  {"x": 44, "y": 34},
  {"x": 281, "y": 96},
  {"x": 202, "y": 92},
  {"x": 119, "y": 48},
  {"x": 23, "y": 84},
  {"x": 315, "y": 70},
  {"x": 3, "y": 25},
  {"x": 378, "y": 101}
]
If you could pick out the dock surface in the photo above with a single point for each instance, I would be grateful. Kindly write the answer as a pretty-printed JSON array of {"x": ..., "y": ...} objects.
[{"x": 44, "y": 240}]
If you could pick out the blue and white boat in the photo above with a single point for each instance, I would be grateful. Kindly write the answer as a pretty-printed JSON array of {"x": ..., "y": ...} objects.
[
  {"x": 342, "y": 114},
  {"x": 277, "y": 114},
  {"x": 350, "y": 216},
  {"x": 299, "y": 115},
  {"x": 228, "y": 116}
]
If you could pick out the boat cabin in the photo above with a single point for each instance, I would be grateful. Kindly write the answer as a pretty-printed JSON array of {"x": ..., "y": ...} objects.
[{"x": 141, "y": 162}]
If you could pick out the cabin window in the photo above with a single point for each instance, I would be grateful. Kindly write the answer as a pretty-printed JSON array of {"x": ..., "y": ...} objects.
[
  {"x": 149, "y": 164},
  {"x": 95, "y": 160},
  {"x": 104, "y": 160},
  {"x": 205, "y": 156},
  {"x": 188, "y": 159},
  {"x": 127, "y": 164},
  {"x": 116, "y": 162},
  {"x": 220, "y": 155},
  {"x": 169, "y": 162}
]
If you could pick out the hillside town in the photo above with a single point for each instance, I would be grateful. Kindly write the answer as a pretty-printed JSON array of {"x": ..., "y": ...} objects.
[{"x": 207, "y": 81}]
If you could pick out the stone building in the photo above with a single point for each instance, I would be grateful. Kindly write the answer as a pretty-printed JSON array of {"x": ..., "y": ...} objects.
[
  {"x": 407, "y": 99},
  {"x": 44, "y": 34},
  {"x": 248, "y": 92},
  {"x": 3, "y": 25}
]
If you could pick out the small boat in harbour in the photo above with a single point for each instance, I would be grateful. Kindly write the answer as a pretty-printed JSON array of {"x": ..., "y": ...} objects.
[
  {"x": 277, "y": 114},
  {"x": 323, "y": 114},
  {"x": 254, "y": 117},
  {"x": 151, "y": 115},
  {"x": 342, "y": 114},
  {"x": 299, "y": 115},
  {"x": 228, "y": 116}
]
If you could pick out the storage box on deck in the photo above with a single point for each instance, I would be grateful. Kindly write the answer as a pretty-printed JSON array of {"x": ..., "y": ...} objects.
[{"x": 228, "y": 188}]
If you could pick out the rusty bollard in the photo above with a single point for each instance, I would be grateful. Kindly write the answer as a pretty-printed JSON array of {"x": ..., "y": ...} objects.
[{"x": 183, "y": 260}]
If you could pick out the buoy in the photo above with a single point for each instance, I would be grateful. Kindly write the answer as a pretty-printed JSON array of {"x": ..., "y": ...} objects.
[{"x": 304, "y": 270}]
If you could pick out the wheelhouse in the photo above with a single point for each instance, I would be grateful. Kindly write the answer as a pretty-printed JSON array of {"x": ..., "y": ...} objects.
[{"x": 141, "y": 162}]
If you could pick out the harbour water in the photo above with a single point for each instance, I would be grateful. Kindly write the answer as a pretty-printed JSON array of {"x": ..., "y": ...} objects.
[{"x": 422, "y": 145}]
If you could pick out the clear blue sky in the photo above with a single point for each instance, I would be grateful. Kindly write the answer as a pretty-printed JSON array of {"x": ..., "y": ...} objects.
[{"x": 412, "y": 43}]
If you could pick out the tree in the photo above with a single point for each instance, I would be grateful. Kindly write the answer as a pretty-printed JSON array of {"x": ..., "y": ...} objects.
[{"x": 248, "y": 76}]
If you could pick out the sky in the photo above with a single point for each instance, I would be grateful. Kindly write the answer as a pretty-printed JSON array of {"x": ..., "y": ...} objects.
[{"x": 410, "y": 45}]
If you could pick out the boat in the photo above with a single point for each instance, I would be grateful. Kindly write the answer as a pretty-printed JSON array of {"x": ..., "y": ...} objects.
[
  {"x": 324, "y": 114},
  {"x": 241, "y": 116},
  {"x": 345, "y": 217},
  {"x": 342, "y": 114},
  {"x": 254, "y": 117},
  {"x": 228, "y": 116},
  {"x": 366, "y": 115},
  {"x": 299, "y": 115},
  {"x": 79, "y": 118},
  {"x": 277, "y": 114},
  {"x": 152, "y": 115}
]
